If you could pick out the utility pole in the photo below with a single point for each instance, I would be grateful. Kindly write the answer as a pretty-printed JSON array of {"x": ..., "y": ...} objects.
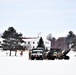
[{"x": 39, "y": 34}]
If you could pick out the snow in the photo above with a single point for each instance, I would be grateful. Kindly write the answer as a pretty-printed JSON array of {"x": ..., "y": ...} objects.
[{"x": 17, "y": 65}]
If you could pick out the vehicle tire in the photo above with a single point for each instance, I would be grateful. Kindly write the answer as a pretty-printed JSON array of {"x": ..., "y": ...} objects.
[
  {"x": 60, "y": 58},
  {"x": 52, "y": 58},
  {"x": 41, "y": 58},
  {"x": 37, "y": 59},
  {"x": 48, "y": 56},
  {"x": 66, "y": 57},
  {"x": 32, "y": 58}
]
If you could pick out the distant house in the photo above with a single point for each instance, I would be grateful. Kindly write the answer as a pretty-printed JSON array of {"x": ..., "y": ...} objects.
[{"x": 32, "y": 42}]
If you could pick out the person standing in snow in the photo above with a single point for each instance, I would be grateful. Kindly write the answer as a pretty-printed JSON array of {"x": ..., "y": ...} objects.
[{"x": 21, "y": 53}]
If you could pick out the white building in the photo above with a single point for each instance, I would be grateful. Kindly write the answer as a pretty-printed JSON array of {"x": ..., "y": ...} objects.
[
  {"x": 32, "y": 42},
  {"x": 1, "y": 41}
]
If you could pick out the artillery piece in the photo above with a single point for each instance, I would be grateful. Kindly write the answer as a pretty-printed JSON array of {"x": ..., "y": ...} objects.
[{"x": 56, "y": 53}]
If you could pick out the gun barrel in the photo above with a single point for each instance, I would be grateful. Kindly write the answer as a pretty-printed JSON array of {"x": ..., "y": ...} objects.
[{"x": 66, "y": 52}]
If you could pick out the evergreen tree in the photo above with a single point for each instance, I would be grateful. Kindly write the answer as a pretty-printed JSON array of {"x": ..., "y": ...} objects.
[
  {"x": 12, "y": 40},
  {"x": 71, "y": 34},
  {"x": 41, "y": 43},
  {"x": 70, "y": 38}
]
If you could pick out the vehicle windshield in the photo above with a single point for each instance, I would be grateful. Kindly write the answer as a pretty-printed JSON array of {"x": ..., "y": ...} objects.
[
  {"x": 37, "y": 52},
  {"x": 37, "y": 49}
]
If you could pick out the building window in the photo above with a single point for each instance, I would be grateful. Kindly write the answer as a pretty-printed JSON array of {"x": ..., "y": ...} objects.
[
  {"x": 28, "y": 42},
  {"x": 33, "y": 42},
  {"x": 25, "y": 42},
  {"x": 33, "y": 47}
]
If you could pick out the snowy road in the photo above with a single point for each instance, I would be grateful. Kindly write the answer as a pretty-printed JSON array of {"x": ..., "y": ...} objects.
[{"x": 22, "y": 66}]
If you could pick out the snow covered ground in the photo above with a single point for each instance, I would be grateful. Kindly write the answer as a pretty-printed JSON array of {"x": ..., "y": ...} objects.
[{"x": 17, "y": 65}]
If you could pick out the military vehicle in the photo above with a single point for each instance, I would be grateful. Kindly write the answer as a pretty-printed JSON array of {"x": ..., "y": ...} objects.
[
  {"x": 56, "y": 53},
  {"x": 36, "y": 53},
  {"x": 52, "y": 54}
]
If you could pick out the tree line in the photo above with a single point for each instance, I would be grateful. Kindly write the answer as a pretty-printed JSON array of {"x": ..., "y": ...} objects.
[{"x": 64, "y": 42}]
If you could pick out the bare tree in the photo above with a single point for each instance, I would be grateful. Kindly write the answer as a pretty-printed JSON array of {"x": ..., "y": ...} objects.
[{"x": 49, "y": 37}]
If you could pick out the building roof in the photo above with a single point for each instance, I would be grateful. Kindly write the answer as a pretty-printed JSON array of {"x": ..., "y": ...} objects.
[
  {"x": 29, "y": 37},
  {"x": 34, "y": 39}
]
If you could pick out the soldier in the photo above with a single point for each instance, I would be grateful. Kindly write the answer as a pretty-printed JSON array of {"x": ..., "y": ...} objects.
[{"x": 21, "y": 53}]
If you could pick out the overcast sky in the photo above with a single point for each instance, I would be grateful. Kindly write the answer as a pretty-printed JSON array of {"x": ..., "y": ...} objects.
[{"x": 33, "y": 16}]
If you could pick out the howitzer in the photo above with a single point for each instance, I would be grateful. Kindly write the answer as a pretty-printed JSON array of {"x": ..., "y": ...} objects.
[
  {"x": 57, "y": 53},
  {"x": 66, "y": 51}
]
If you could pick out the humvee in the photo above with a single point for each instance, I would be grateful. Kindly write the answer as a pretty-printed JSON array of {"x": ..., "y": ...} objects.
[{"x": 36, "y": 53}]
